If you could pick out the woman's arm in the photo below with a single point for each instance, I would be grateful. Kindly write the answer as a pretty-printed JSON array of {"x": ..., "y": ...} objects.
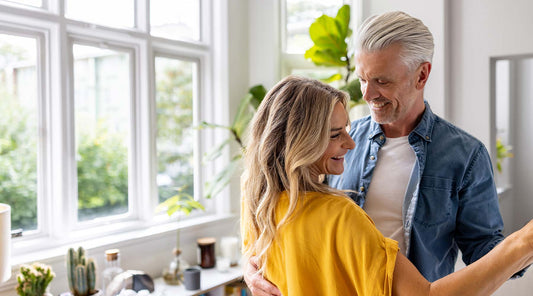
[{"x": 482, "y": 277}]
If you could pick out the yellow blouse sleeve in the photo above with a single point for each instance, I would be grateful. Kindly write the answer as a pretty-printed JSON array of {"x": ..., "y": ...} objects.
[{"x": 367, "y": 256}]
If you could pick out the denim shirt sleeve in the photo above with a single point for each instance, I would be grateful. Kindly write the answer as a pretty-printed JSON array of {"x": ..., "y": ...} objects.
[{"x": 479, "y": 223}]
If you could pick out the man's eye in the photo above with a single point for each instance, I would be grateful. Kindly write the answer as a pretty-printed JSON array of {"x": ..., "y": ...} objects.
[{"x": 335, "y": 136}]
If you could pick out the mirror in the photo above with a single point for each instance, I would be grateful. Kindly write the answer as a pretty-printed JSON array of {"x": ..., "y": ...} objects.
[{"x": 512, "y": 144}]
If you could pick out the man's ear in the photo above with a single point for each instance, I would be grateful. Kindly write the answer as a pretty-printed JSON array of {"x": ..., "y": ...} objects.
[{"x": 423, "y": 74}]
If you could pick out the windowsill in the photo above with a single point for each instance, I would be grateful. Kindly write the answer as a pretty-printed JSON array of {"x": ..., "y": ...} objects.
[
  {"x": 117, "y": 240},
  {"x": 210, "y": 279}
]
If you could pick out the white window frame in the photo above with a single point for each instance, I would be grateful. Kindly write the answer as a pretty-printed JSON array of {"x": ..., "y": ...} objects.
[{"x": 57, "y": 174}]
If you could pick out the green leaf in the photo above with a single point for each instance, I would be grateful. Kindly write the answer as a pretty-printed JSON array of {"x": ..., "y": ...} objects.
[
  {"x": 343, "y": 20},
  {"x": 325, "y": 33},
  {"x": 205, "y": 124},
  {"x": 324, "y": 57},
  {"x": 222, "y": 178},
  {"x": 353, "y": 88},
  {"x": 332, "y": 78},
  {"x": 182, "y": 202},
  {"x": 258, "y": 93},
  {"x": 329, "y": 37},
  {"x": 243, "y": 116},
  {"x": 217, "y": 151}
]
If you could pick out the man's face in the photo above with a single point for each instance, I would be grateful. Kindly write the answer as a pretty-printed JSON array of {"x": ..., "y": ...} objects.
[{"x": 391, "y": 90}]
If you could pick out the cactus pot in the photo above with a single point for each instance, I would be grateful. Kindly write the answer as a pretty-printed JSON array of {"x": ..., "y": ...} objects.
[{"x": 98, "y": 293}]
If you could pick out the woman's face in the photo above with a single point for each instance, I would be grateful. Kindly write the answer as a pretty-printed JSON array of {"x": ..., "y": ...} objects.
[{"x": 332, "y": 161}]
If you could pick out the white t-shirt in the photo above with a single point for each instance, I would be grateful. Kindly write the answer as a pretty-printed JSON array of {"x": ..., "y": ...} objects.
[{"x": 387, "y": 188}]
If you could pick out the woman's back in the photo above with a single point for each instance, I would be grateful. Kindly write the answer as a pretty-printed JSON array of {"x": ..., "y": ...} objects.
[{"x": 330, "y": 247}]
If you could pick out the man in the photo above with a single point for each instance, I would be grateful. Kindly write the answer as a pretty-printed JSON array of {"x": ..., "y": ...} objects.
[{"x": 423, "y": 181}]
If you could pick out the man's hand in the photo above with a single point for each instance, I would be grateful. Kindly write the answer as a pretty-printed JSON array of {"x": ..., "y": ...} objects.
[{"x": 255, "y": 281}]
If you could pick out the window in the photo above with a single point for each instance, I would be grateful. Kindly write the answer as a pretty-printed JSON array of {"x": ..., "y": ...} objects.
[
  {"x": 98, "y": 113},
  {"x": 181, "y": 22},
  {"x": 175, "y": 80},
  {"x": 102, "y": 130},
  {"x": 297, "y": 17},
  {"x": 35, "y": 3},
  {"x": 19, "y": 138},
  {"x": 116, "y": 13}
]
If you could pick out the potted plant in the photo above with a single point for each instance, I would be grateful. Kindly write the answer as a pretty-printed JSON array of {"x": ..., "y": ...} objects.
[
  {"x": 181, "y": 202},
  {"x": 81, "y": 274},
  {"x": 34, "y": 279},
  {"x": 331, "y": 48},
  {"x": 502, "y": 152}
]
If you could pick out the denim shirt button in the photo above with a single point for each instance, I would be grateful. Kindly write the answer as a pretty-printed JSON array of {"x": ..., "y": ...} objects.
[
  {"x": 372, "y": 157},
  {"x": 362, "y": 188}
]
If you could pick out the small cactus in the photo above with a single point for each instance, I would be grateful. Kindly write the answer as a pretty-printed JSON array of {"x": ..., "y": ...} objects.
[{"x": 81, "y": 273}]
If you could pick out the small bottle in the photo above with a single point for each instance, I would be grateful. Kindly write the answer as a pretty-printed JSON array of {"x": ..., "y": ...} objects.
[{"x": 112, "y": 269}]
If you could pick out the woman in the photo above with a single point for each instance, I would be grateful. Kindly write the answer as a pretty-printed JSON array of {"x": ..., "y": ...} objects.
[{"x": 310, "y": 238}]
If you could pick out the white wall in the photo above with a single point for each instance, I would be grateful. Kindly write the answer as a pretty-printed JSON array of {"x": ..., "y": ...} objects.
[{"x": 479, "y": 30}]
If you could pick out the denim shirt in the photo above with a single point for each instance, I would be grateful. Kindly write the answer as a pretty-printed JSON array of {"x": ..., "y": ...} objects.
[{"x": 451, "y": 201}]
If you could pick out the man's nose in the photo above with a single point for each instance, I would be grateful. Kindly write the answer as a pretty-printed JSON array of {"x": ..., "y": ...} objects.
[{"x": 369, "y": 92}]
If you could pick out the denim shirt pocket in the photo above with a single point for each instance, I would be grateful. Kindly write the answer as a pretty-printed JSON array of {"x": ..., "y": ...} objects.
[{"x": 435, "y": 201}]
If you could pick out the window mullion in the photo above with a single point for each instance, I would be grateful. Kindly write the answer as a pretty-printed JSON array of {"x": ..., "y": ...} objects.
[
  {"x": 145, "y": 170},
  {"x": 62, "y": 162}
]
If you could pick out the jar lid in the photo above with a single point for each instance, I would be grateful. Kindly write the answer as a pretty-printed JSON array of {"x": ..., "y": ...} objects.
[
  {"x": 111, "y": 254},
  {"x": 206, "y": 241}
]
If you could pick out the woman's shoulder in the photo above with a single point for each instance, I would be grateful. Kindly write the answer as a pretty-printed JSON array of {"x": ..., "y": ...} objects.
[{"x": 334, "y": 205}]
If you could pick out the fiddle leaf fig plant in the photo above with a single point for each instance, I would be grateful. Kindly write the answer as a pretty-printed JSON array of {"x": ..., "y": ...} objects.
[
  {"x": 330, "y": 36},
  {"x": 247, "y": 107}
]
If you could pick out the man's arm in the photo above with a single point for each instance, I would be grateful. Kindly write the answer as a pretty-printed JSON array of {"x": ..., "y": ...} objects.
[
  {"x": 479, "y": 222},
  {"x": 258, "y": 285},
  {"x": 482, "y": 277}
]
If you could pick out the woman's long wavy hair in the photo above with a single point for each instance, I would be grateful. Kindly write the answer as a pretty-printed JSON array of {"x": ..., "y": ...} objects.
[{"x": 289, "y": 133}]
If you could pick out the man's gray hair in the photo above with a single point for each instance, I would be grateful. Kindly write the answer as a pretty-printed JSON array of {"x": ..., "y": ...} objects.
[{"x": 381, "y": 31}]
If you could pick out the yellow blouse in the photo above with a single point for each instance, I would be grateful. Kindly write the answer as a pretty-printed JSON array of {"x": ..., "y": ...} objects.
[{"x": 331, "y": 247}]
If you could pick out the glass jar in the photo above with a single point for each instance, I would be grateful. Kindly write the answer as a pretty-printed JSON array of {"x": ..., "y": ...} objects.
[
  {"x": 173, "y": 275},
  {"x": 112, "y": 268}
]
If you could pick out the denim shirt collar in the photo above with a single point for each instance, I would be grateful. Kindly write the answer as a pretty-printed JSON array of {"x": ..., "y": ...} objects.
[{"x": 423, "y": 129}]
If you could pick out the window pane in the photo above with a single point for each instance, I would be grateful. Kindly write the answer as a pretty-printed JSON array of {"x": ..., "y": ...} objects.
[
  {"x": 36, "y": 3},
  {"x": 102, "y": 118},
  {"x": 175, "y": 135},
  {"x": 114, "y": 13},
  {"x": 175, "y": 19},
  {"x": 19, "y": 129},
  {"x": 300, "y": 14}
]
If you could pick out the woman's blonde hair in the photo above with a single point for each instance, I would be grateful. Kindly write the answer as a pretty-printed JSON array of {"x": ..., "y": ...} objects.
[{"x": 289, "y": 133}]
